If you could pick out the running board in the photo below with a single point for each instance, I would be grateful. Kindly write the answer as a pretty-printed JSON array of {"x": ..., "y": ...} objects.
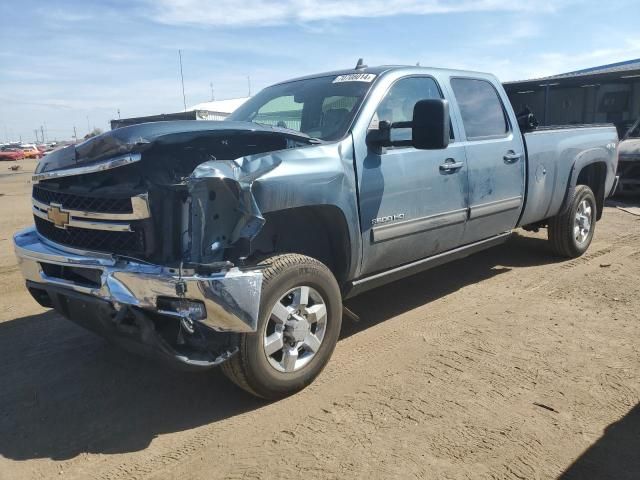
[{"x": 362, "y": 285}]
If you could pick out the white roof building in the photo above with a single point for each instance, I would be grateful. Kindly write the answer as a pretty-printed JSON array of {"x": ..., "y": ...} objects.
[
  {"x": 215, "y": 110},
  {"x": 222, "y": 107}
]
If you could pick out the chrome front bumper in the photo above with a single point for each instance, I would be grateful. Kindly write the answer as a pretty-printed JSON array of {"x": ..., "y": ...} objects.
[{"x": 231, "y": 297}]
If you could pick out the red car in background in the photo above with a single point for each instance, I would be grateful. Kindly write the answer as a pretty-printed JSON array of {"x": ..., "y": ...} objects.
[
  {"x": 30, "y": 151},
  {"x": 11, "y": 154}
]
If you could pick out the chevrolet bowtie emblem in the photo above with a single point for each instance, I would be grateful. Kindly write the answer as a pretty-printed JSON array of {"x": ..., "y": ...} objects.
[{"x": 58, "y": 217}]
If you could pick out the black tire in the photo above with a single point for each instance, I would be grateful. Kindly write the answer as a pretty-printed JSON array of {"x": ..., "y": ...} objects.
[
  {"x": 250, "y": 368},
  {"x": 561, "y": 227}
]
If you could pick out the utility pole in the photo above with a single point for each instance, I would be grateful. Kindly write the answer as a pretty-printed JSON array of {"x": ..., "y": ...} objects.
[
  {"x": 118, "y": 114},
  {"x": 184, "y": 98},
  {"x": 36, "y": 132},
  {"x": 249, "y": 83},
  {"x": 42, "y": 131},
  {"x": 212, "y": 95},
  {"x": 75, "y": 134}
]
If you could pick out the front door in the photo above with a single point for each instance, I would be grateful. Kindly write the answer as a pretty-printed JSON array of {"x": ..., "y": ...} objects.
[{"x": 412, "y": 202}]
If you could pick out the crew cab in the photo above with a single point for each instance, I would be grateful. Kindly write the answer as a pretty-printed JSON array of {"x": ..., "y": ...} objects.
[{"x": 234, "y": 243}]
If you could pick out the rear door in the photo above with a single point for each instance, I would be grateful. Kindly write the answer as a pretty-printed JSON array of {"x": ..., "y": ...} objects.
[
  {"x": 412, "y": 202},
  {"x": 495, "y": 158}
]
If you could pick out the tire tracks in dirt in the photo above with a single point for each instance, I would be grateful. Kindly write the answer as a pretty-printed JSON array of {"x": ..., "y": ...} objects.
[{"x": 444, "y": 389}]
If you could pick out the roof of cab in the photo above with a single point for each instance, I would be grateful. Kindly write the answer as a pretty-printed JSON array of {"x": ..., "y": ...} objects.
[{"x": 381, "y": 69}]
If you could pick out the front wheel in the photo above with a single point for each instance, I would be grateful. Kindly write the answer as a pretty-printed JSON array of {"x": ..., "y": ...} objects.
[
  {"x": 571, "y": 232},
  {"x": 298, "y": 328}
]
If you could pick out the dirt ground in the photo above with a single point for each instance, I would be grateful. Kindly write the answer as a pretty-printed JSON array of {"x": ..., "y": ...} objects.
[{"x": 510, "y": 364}]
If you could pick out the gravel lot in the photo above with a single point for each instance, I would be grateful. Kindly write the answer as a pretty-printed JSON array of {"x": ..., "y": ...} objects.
[{"x": 509, "y": 364}]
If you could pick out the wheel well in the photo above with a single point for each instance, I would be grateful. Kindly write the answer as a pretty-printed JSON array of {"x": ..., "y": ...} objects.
[
  {"x": 594, "y": 176},
  {"x": 319, "y": 232}
]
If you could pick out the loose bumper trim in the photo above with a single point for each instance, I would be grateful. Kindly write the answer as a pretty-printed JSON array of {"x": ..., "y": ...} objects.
[
  {"x": 135, "y": 330},
  {"x": 231, "y": 297}
]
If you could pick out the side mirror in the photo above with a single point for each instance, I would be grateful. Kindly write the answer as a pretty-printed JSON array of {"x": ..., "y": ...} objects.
[
  {"x": 431, "y": 124},
  {"x": 379, "y": 138}
]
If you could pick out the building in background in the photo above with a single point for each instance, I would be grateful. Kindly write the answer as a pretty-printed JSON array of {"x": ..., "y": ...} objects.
[
  {"x": 213, "y": 110},
  {"x": 605, "y": 94}
]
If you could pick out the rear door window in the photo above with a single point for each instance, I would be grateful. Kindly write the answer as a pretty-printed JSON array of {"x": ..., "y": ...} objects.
[{"x": 482, "y": 111}]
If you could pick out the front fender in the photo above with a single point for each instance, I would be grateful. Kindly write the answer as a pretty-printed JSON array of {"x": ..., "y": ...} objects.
[
  {"x": 313, "y": 176},
  {"x": 249, "y": 187}
]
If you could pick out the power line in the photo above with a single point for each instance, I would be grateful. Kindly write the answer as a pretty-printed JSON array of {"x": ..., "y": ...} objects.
[{"x": 184, "y": 98}]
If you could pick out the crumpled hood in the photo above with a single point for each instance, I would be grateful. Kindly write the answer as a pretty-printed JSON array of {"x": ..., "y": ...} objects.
[{"x": 138, "y": 138}]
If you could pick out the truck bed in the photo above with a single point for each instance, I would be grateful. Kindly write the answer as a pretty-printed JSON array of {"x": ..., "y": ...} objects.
[{"x": 552, "y": 154}]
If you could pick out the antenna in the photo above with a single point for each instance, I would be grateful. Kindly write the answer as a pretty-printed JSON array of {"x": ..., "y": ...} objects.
[
  {"x": 184, "y": 99},
  {"x": 360, "y": 65}
]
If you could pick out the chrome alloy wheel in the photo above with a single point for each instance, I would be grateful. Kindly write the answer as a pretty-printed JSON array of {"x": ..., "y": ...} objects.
[
  {"x": 295, "y": 329},
  {"x": 582, "y": 222}
]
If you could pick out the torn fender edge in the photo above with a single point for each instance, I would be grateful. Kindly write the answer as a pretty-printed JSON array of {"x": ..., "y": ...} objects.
[{"x": 237, "y": 176}]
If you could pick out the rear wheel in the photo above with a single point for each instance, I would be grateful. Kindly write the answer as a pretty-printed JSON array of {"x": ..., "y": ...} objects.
[
  {"x": 298, "y": 328},
  {"x": 571, "y": 233}
]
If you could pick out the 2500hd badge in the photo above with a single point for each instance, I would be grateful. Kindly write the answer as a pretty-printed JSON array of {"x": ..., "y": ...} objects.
[{"x": 388, "y": 218}]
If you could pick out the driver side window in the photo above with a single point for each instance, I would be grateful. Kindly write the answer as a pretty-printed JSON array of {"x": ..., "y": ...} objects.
[{"x": 397, "y": 105}]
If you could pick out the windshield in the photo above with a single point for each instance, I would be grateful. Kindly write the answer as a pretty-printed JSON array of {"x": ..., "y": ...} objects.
[{"x": 320, "y": 107}]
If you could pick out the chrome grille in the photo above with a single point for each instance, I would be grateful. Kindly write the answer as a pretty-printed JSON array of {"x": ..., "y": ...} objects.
[
  {"x": 85, "y": 203},
  {"x": 124, "y": 243},
  {"x": 118, "y": 226}
]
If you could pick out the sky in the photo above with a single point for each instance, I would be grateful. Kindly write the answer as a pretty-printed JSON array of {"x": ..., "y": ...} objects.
[{"x": 67, "y": 63}]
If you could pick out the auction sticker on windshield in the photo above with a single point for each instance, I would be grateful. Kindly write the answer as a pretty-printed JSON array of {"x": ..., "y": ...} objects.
[{"x": 355, "y": 77}]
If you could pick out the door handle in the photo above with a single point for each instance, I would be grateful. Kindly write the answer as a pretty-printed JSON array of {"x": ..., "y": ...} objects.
[
  {"x": 450, "y": 166},
  {"x": 511, "y": 157}
]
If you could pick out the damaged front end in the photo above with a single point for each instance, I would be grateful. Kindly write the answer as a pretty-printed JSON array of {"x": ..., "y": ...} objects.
[{"x": 142, "y": 235}]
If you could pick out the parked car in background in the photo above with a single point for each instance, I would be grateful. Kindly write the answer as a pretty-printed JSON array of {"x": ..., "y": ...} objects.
[
  {"x": 30, "y": 151},
  {"x": 629, "y": 161},
  {"x": 11, "y": 154}
]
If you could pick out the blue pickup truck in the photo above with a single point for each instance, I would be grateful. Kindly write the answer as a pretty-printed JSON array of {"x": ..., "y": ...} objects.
[{"x": 234, "y": 243}]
